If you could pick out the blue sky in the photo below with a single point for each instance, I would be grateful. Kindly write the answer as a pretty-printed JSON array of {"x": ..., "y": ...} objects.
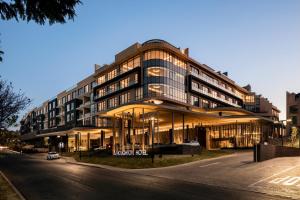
[{"x": 256, "y": 42}]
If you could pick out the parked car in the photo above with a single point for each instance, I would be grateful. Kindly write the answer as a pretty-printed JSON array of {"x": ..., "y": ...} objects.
[{"x": 52, "y": 155}]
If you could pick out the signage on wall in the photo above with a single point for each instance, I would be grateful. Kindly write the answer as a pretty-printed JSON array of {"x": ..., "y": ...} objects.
[{"x": 131, "y": 153}]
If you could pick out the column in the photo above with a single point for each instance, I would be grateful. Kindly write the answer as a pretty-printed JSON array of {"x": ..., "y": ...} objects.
[
  {"x": 157, "y": 119},
  {"x": 114, "y": 135},
  {"x": 133, "y": 130},
  {"x": 183, "y": 133},
  {"x": 88, "y": 141},
  {"x": 172, "y": 130},
  {"x": 143, "y": 131},
  {"x": 102, "y": 138},
  {"x": 123, "y": 137}
]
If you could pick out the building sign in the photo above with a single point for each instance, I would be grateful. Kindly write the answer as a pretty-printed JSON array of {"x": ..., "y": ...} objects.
[{"x": 131, "y": 153}]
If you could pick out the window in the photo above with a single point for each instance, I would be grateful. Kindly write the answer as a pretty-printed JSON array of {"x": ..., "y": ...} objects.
[
  {"x": 195, "y": 70},
  {"x": 139, "y": 93},
  {"x": 93, "y": 84},
  {"x": 102, "y": 106},
  {"x": 249, "y": 99},
  {"x": 80, "y": 91},
  {"x": 101, "y": 79},
  {"x": 69, "y": 97},
  {"x": 72, "y": 116},
  {"x": 86, "y": 89},
  {"x": 205, "y": 103},
  {"x": 101, "y": 92},
  {"x": 112, "y": 74},
  {"x": 112, "y": 88},
  {"x": 136, "y": 62},
  {"x": 72, "y": 106},
  {"x": 113, "y": 102},
  {"x": 125, "y": 98},
  {"x": 64, "y": 100},
  {"x": 195, "y": 85},
  {"x": 162, "y": 55},
  {"x": 124, "y": 83},
  {"x": 194, "y": 101},
  {"x": 68, "y": 107},
  {"x": 73, "y": 94}
]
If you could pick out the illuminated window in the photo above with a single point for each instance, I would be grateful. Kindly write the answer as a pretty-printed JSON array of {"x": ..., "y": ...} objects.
[
  {"x": 205, "y": 103},
  {"x": 124, "y": 83},
  {"x": 101, "y": 79},
  {"x": 101, "y": 92},
  {"x": 139, "y": 93},
  {"x": 102, "y": 106},
  {"x": 194, "y": 101},
  {"x": 113, "y": 102},
  {"x": 125, "y": 98},
  {"x": 162, "y": 55}
]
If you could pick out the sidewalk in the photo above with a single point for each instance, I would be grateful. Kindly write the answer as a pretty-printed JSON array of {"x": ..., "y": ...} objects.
[{"x": 8, "y": 190}]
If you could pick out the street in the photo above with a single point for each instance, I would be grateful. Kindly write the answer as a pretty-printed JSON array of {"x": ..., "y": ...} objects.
[{"x": 42, "y": 179}]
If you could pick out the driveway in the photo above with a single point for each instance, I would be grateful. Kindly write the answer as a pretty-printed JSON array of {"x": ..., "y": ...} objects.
[{"x": 280, "y": 176}]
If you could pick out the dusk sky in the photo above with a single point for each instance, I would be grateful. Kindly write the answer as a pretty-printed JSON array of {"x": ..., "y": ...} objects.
[{"x": 256, "y": 42}]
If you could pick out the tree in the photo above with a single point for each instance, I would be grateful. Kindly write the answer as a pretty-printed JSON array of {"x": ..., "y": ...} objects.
[
  {"x": 39, "y": 11},
  {"x": 11, "y": 103}
]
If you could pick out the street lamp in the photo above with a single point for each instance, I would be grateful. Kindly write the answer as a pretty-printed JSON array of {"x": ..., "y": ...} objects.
[{"x": 281, "y": 122}]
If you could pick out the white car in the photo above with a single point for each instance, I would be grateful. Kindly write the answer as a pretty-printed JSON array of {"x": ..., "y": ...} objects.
[{"x": 52, "y": 155}]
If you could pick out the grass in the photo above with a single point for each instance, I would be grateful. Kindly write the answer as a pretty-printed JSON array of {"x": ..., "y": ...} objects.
[
  {"x": 146, "y": 162},
  {"x": 6, "y": 192}
]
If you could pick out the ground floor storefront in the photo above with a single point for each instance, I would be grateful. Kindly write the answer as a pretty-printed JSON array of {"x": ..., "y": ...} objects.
[{"x": 141, "y": 128}]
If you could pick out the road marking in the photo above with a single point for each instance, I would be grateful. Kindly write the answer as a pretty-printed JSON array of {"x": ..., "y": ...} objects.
[
  {"x": 215, "y": 163},
  {"x": 288, "y": 169}
]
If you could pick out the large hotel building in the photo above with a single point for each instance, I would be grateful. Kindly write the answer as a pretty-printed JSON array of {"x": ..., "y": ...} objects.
[{"x": 153, "y": 93}]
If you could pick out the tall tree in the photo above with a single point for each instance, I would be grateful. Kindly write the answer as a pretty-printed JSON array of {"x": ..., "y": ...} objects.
[
  {"x": 11, "y": 103},
  {"x": 39, "y": 11}
]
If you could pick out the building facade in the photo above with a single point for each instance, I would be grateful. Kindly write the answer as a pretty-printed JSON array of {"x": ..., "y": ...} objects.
[
  {"x": 292, "y": 111},
  {"x": 154, "y": 94}
]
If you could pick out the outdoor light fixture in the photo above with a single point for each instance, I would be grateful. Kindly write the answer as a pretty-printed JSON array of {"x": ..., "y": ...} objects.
[
  {"x": 157, "y": 102},
  {"x": 289, "y": 120}
]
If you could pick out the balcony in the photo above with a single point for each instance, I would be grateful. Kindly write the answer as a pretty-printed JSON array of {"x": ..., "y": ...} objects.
[
  {"x": 216, "y": 84},
  {"x": 215, "y": 97},
  {"x": 118, "y": 89},
  {"x": 119, "y": 75}
]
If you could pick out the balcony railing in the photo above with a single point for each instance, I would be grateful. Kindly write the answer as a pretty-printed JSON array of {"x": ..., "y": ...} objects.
[
  {"x": 215, "y": 97},
  {"x": 117, "y": 89},
  {"x": 215, "y": 83}
]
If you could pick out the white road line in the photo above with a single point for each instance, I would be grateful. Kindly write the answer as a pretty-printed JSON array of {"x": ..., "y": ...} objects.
[
  {"x": 288, "y": 169},
  {"x": 215, "y": 163}
]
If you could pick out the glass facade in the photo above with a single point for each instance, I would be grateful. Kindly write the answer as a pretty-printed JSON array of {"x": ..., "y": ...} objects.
[{"x": 164, "y": 75}]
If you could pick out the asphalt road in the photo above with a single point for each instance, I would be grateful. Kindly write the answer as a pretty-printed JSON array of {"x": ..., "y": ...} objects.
[
  {"x": 280, "y": 176},
  {"x": 41, "y": 179}
]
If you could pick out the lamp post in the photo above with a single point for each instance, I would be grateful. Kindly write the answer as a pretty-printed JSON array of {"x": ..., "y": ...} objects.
[{"x": 281, "y": 122}]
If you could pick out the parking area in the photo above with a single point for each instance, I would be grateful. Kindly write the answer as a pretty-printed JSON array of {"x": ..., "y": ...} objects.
[{"x": 280, "y": 176}]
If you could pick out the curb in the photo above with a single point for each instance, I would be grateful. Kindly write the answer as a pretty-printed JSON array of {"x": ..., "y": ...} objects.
[{"x": 12, "y": 186}]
